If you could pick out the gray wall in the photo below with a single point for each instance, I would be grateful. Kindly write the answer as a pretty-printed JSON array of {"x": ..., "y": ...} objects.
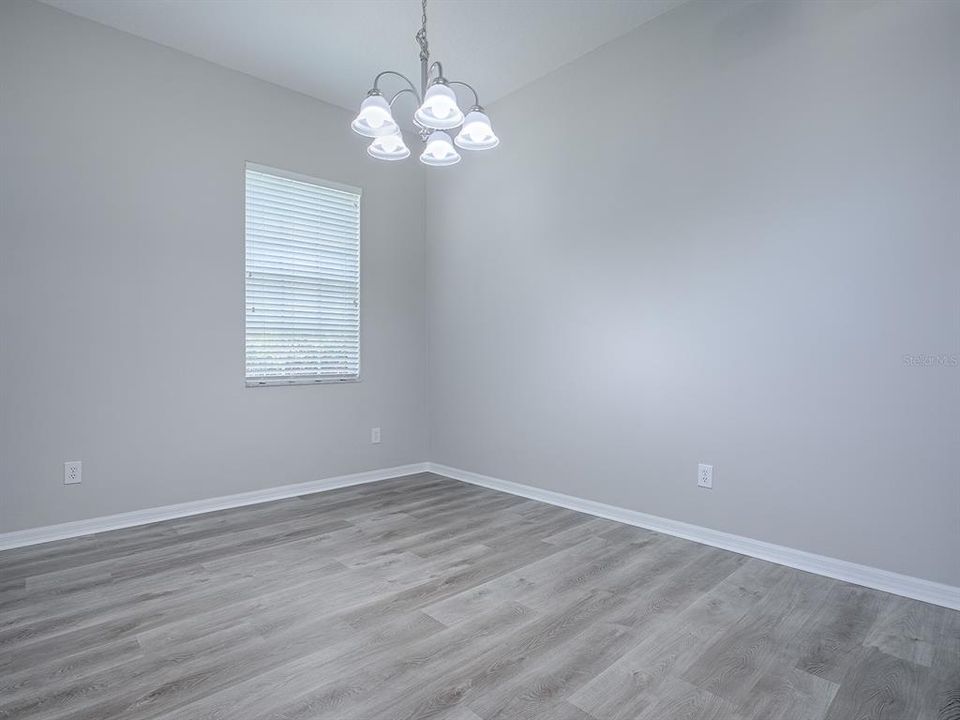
[
  {"x": 735, "y": 223},
  {"x": 731, "y": 272},
  {"x": 121, "y": 280}
]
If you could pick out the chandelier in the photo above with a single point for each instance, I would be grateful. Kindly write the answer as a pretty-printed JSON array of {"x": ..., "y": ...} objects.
[{"x": 438, "y": 112}]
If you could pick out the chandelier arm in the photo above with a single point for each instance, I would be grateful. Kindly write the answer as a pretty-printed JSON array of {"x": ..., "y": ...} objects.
[
  {"x": 405, "y": 90},
  {"x": 376, "y": 81},
  {"x": 476, "y": 98}
]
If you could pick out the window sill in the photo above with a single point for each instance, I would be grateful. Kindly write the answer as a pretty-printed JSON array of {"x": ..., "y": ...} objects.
[{"x": 280, "y": 382}]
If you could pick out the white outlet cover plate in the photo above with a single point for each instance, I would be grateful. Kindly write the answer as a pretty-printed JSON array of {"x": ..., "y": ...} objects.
[
  {"x": 375, "y": 435},
  {"x": 705, "y": 476},
  {"x": 72, "y": 472}
]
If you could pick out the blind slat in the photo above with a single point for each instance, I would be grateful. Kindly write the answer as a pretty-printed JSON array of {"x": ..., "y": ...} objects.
[{"x": 302, "y": 280}]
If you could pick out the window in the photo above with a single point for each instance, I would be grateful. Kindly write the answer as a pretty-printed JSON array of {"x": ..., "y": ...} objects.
[{"x": 302, "y": 279}]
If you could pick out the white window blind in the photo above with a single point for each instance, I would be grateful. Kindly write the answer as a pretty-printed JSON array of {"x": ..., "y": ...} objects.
[{"x": 302, "y": 279}]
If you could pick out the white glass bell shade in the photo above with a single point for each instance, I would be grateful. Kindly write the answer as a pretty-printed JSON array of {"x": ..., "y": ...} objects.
[
  {"x": 439, "y": 151},
  {"x": 374, "y": 118},
  {"x": 476, "y": 133},
  {"x": 439, "y": 110},
  {"x": 389, "y": 147}
]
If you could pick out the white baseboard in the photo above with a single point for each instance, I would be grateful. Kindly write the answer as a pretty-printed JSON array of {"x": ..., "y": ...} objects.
[
  {"x": 77, "y": 528},
  {"x": 911, "y": 587},
  {"x": 905, "y": 585}
]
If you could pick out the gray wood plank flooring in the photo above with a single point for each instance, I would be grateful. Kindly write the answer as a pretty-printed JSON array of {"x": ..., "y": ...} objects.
[{"x": 427, "y": 598}]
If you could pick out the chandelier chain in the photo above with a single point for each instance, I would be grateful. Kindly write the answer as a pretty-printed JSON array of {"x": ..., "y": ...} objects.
[{"x": 422, "y": 35}]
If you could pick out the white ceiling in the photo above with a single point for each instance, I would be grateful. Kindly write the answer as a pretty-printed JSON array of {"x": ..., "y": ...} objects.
[{"x": 331, "y": 49}]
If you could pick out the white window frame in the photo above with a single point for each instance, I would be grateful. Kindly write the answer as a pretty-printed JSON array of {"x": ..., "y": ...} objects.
[{"x": 304, "y": 380}]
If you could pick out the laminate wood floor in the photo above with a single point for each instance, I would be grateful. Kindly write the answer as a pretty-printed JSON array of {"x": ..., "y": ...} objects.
[{"x": 427, "y": 598}]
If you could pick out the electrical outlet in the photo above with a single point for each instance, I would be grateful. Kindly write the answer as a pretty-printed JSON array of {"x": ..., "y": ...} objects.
[
  {"x": 705, "y": 476},
  {"x": 71, "y": 472},
  {"x": 375, "y": 435}
]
